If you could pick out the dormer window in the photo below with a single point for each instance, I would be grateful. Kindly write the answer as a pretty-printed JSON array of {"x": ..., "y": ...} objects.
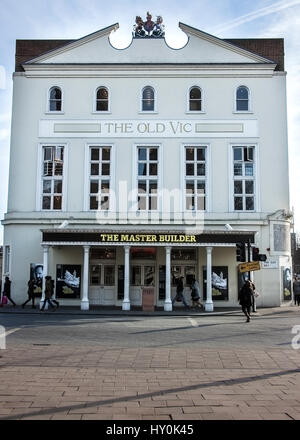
[
  {"x": 55, "y": 99},
  {"x": 102, "y": 99},
  {"x": 148, "y": 100},
  {"x": 242, "y": 99},
  {"x": 195, "y": 99}
]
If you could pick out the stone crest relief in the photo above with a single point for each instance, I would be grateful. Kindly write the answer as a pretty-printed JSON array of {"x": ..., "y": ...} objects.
[{"x": 148, "y": 28}]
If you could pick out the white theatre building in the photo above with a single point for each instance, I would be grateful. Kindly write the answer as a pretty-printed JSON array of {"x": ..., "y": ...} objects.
[{"x": 130, "y": 168}]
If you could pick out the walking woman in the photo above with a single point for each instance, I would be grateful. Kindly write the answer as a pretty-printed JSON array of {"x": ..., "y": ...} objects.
[
  {"x": 246, "y": 299},
  {"x": 48, "y": 293},
  {"x": 6, "y": 291}
]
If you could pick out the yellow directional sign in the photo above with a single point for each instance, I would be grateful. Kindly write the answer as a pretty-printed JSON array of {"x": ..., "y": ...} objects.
[{"x": 249, "y": 267}]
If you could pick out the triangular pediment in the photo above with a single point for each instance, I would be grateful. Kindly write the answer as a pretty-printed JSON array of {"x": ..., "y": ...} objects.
[{"x": 201, "y": 48}]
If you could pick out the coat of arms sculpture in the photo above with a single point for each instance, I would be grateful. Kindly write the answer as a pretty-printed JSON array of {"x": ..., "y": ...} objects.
[{"x": 148, "y": 28}]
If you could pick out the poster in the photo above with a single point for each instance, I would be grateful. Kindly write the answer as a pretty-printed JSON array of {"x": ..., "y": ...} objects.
[
  {"x": 68, "y": 279},
  {"x": 219, "y": 281},
  {"x": 36, "y": 274},
  {"x": 287, "y": 284}
]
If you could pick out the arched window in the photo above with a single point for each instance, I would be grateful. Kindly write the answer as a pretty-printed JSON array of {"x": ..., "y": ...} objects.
[
  {"x": 55, "y": 99},
  {"x": 195, "y": 99},
  {"x": 242, "y": 99},
  {"x": 102, "y": 100},
  {"x": 148, "y": 99}
]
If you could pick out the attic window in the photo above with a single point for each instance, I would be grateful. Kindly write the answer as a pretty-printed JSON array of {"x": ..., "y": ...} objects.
[
  {"x": 195, "y": 99},
  {"x": 242, "y": 99},
  {"x": 55, "y": 99},
  {"x": 102, "y": 100}
]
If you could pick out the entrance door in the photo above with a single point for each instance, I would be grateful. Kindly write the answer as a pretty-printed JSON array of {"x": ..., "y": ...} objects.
[
  {"x": 141, "y": 275},
  {"x": 188, "y": 272}
]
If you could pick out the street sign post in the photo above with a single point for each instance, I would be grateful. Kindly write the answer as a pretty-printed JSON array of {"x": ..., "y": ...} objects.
[{"x": 249, "y": 266}]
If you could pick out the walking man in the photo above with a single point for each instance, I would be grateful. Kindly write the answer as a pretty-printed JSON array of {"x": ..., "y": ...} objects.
[
  {"x": 179, "y": 293},
  {"x": 30, "y": 293},
  {"x": 48, "y": 293},
  {"x": 6, "y": 290},
  {"x": 246, "y": 299},
  {"x": 296, "y": 290}
]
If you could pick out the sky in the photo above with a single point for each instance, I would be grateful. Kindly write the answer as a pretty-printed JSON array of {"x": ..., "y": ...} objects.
[{"x": 71, "y": 19}]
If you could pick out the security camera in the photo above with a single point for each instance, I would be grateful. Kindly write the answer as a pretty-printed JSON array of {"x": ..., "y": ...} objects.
[{"x": 228, "y": 227}]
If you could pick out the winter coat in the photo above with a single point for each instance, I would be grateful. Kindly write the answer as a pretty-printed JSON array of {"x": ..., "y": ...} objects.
[
  {"x": 48, "y": 289},
  {"x": 195, "y": 293},
  {"x": 246, "y": 296},
  {"x": 296, "y": 287}
]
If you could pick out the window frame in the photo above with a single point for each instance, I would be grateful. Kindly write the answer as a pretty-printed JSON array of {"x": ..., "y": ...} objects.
[
  {"x": 39, "y": 190},
  {"x": 100, "y": 178},
  {"x": 256, "y": 177},
  {"x": 188, "y": 100},
  {"x": 6, "y": 259},
  {"x": 249, "y": 100},
  {"x": 87, "y": 178},
  {"x": 154, "y": 111},
  {"x": 55, "y": 112},
  {"x": 207, "y": 179},
  {"x": 148, "y": 177},
  {"x": 108, "y": 111}
]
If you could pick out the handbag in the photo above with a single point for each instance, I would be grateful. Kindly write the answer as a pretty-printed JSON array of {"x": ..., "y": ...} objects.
[{"x": 4, "y": 300}]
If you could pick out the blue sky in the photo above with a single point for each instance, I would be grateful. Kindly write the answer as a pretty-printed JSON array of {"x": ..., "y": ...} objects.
[{"x": 71, "y": 19}]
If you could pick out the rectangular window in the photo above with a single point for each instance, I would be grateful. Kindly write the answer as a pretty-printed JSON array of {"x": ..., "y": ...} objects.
[
  {"x": 147, "y": 181},
  {"x": 243, "y": 178},
  {"x": 136, "y": 276},
  {"x": 109, "y": 275},
  {"x": 100, "y": 178},
  {"x": 95, "y": 275},
  {"x": 52, "y": 180},
  {"x": 6, "y": 259},
  {"x": 195, "y": 178}
]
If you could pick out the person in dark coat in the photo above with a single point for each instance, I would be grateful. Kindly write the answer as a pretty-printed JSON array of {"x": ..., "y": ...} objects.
[
  {"x": 246, "y": 298},
  {"x": 48, "y": 293},
  {"x": 296, "y": 290},
  {"x": 30, "y": 292},
  {"x": 6, "y": 290},
  {"x": 53, "y": 299},
  {"x": 179, "y": 293}
]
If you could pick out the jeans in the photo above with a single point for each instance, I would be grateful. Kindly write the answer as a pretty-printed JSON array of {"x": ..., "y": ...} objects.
[
  {"x": 49, "y": 302},
  {"x": 182, "y": 297}
]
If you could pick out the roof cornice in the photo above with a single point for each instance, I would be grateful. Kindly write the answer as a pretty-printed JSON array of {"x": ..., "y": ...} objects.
[
  {"x": 189, "y": 30},
  {"x": 74, "y": 44}
]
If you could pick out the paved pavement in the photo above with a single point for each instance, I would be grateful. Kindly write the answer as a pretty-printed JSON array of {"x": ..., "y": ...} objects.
[{"x": 80, "y": 366}]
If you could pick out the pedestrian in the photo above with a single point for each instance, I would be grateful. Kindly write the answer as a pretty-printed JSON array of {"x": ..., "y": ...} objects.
[
  {"x": 296, "y": 290},
  {"x": 179, "y": 293},
  {"x": 48, "y": 293},
  {"x": 246, "y": 298},
  {"x": 53, "y": 299},
  {"x": 6, "y": 290},
  {"x": 195, "y": 293},
  {"x": 254, "y": 296},
  {"x": 30, "y": 292}
]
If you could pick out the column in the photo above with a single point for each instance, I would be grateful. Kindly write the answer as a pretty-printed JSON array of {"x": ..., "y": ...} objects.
[
  {"x": 126, "y": 301},
  {"x": 168, "y": 302},
  {"x": 209, "y": 305},
  {"x": 45, "y": 272},
  {"x": 85, "y": 287}
]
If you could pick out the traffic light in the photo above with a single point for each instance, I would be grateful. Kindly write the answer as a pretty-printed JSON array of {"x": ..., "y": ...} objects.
[
  {"x": 255, "y": 254},
  {"x": 241, "y": 252}
]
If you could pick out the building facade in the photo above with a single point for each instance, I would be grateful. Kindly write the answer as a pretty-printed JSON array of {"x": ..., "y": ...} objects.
[{"x": 130, "y": 168}]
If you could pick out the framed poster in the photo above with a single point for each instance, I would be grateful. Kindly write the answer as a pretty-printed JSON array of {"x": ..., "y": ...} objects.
[
  {"x": 36, "y": 274},
  {"x": 287, "y": 283},
  {"x": 68, "y": 280},
  {"x": 219, "y": 283}
]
